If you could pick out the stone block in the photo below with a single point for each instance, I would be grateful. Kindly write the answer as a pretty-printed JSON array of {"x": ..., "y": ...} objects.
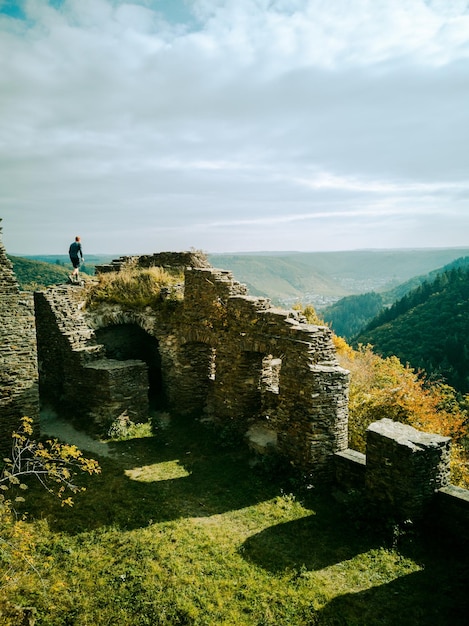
[{"x": 404, "y": 468}]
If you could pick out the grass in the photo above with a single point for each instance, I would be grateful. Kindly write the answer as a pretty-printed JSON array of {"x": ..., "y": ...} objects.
[
  {"x": 179, "y": 530},
  {"x": 135, "y": 287}
]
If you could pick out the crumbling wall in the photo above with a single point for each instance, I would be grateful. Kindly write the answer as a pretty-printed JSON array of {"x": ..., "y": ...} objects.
[
  {"x": 179, "y": 260},
  {"x": 75, "y": 375},
  {"x": 224, "y": 355},
  {"x": 18, "y": 358},
  {"x": 405, "y": 476},
  {"x": 404, "y": 468}
]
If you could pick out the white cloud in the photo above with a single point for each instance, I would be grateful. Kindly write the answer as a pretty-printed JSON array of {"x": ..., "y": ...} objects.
[{"x": 228, "y": 120}]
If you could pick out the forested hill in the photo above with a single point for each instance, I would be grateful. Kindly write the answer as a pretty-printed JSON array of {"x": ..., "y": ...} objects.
[
  {"x": 351, "y": 315},
  {"x": 33, "y": 274},
  {"x": 428, "y": 328}
]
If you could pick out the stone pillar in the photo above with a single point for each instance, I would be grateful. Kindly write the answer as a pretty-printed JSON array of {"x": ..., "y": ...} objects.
[
  {"x": 404, "y": 468},
  {"x": 313, "y": 416}
]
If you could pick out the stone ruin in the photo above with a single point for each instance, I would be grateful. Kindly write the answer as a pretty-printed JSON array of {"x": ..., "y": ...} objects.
[
  {"x": 19, "y": 395},
  {"x": 221, "y": 355},
  {"x": 218, "y": 353}
]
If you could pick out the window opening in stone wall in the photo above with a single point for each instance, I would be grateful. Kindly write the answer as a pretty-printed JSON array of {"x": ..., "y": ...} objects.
[
  {"x": 270, "y": 377},
  {"x": 247, "y": 382},
  {"x": 125, "y": 342},
  {"x": 212, "y": 365}
]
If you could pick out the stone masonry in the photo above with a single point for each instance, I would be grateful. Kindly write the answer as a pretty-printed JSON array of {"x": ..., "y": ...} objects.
[
  {"x": 221, "y": 354},
  {"x": 19, "y": 395},
  {"x": 75, "y": 375},
  {"x": 404, "y": 468}
]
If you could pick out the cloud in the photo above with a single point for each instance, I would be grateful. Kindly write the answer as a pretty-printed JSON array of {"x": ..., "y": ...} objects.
[{"x": 225, "y": 120}]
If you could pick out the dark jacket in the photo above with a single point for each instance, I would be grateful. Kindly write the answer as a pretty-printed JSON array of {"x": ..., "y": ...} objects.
[{"x": 75, "y": 250}]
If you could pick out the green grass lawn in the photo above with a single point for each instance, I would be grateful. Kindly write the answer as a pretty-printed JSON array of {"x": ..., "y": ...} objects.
[{"x": 181, "y": 530}]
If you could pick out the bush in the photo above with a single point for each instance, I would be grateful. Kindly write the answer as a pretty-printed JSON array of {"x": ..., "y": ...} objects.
[{"x": 384, "y": 387}]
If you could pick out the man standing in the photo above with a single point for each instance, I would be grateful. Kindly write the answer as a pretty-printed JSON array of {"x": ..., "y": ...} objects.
[{"x": 75, "y": 252}]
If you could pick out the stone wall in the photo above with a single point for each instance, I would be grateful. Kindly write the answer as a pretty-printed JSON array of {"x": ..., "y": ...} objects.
[
  {"x": 223, "y": 355},
  {"x": 404, "y": 468},
  {"x": 179, "y": 260},
  {"x": 18, "y": 359},
  {"x": 75, "y": 375},
  {"x": 405, "y": 475}
]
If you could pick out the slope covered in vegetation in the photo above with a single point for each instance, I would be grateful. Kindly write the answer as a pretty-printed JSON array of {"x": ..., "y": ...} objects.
[
  {"x": 33, "y": 275},
  {"x": 351, "y": 314},
  {"x": 354, "y": 314},
  {"x": 428, "y": 328}
]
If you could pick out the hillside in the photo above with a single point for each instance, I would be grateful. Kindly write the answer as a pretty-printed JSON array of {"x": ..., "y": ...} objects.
[
  {"x": 35, "y": 274},
  {"x": 428, "y": 328},
  {"x": 40, "y": 271},
  {"x": 284, "y": 279},
  {"x": 322, "y": 278},
  {"x": 392, "y": 295},
  {"x": 352, "y": 314}
]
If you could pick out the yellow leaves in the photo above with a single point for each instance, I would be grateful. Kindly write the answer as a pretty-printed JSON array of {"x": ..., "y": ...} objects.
[
  {"x": 343, "y": 348},
  {"x": 310, "y": 313},
  {"x": 383, "y": 387},
  {"x": 54, "y": 464},
  {"x": 69, "y": 452}
]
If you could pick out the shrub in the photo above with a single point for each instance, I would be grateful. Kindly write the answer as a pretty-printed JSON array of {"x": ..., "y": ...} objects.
[
  {"x": 55, "y": 466},
  {"x": 384, "y": 387}
]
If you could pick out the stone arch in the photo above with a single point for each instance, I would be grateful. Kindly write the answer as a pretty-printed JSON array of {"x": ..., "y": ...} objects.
[{"x": 128, "y": 341}]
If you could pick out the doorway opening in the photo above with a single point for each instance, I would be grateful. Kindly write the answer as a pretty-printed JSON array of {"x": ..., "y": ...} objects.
[{"x": 125, "y": 342}]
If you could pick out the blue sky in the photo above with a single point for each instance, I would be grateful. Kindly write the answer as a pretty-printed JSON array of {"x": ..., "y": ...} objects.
[{"x": 233, "y": 125}]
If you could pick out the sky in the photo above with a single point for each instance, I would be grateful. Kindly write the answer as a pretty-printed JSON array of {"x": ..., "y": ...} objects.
[{"x": 233, "y": 125}]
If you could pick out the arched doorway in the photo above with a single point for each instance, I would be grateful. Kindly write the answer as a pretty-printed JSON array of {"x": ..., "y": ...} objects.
[{"x": 128, "y": 341}]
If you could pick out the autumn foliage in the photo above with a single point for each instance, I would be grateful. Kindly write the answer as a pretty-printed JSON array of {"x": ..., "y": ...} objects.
[
  {"x": 384, "y": 387},
  {"x": 53, "y": 464},
  {"x": 56, "y": 466}
]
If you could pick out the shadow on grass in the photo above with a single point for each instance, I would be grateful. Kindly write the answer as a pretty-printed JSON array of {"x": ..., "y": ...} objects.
[
  {"x": 312, "y": 543},
  {"x": 214, "y": 479},
  {"x": 432, "y": 597},
  {"x": 435, "y": 595}
]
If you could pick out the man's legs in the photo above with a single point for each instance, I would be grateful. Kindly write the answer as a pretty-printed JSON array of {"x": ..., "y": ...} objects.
[{"x": 76, "y": 265}]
